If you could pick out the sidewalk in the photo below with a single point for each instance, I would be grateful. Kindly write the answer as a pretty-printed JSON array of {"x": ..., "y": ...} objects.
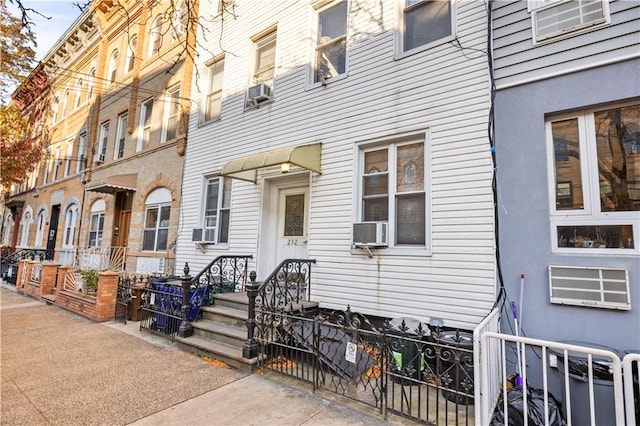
[{"x": 62, "y": 369}]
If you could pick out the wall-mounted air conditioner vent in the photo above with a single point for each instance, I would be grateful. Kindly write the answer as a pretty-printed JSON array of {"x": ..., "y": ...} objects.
[
  {"x": 259, "y": 93},
  {"x": 567, "y": 16},
  {"x": 203, "y": 235},
  {"x": 589, "y": 286},
  {"x": 370, "y": 234}
]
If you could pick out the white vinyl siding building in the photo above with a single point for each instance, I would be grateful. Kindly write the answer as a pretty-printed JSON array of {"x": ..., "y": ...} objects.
[{"x": 440, "y": 94}]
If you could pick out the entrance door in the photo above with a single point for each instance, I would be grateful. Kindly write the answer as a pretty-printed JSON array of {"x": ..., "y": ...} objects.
[
  {"x": 53, "y": 230},
  {"x": 292, "y": 223},
  {"x": 122, "y": 239}
]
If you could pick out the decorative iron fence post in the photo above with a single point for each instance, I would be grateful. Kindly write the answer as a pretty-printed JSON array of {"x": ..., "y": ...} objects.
[
  {"x": 186, "y": 329},
  {"x": 250, "y": 347}
]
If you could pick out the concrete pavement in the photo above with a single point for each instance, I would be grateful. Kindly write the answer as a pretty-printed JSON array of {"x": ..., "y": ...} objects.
[{"x": 58, "y": 368}]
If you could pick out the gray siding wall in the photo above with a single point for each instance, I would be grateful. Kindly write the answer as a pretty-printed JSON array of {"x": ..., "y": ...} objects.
[
  {"x": 518, "y": 60},
  {"x": 525, "y": 240}
]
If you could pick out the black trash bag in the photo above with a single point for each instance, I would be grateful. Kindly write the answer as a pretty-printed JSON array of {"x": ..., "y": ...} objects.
[{"x": 535, "y": 405}]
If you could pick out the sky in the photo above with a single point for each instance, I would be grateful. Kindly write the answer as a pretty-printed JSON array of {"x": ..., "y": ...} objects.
[{"x": 48, "y": 31}]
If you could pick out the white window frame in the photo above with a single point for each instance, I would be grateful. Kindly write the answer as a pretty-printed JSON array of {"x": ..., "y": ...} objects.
[
  {"x": 155, "y": 37},
  {"x": 172, "y": 99},
  {"x": 70, "y": 218},
  {"x": 319, "y": 9},
  {"x": 222, "y": 209},
  {"x": 102, "y": 142},
  {"x": 78, "y": 100},
  {"x": 25, "y": 223},
  {"x": 260, "y": 42},
  {"x": 112, "y": 73},
  {"x": 9, "y": 224},
  {"x": 591, "y": 214},
  {"x": 68, "y": 158},
  {"x": 215, "y": 67},
  {"x": 402, "y": 7},
  {"x": 40, "y": 230},
  {"x": 92, "y": 83},
  {"x": 158, "y": 200},
  {"x": 83, "y": 149},
  {"x": 65, "y": 103},
  {"x": 131, "y": 54},
  {"x": 180, "y": 27},
  {"x": 144, "y": 126},
  {"x": 97, "y": 213},
  {"x": 56, "y": 164},
  {"x": 55, "y": 106},
  {"x": 121, "y": 134},
  {"x": 395, "y": 141}
]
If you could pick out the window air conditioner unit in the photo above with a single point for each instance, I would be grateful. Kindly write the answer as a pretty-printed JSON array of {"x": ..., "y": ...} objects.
[
  {"x": 203, "y": 236},
  {"x": 370, "y": 234},
  {"x": 259, "y": 93},
  {"x": 97, "y": 159}
]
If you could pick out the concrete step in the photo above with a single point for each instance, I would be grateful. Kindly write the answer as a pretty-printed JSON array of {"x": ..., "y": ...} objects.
[
  {"x": 230, "y": 355},
  {"x": 238, "y": 301},
  {"x": 224, "y": 315},
  {"x": 229, "y": 334}
]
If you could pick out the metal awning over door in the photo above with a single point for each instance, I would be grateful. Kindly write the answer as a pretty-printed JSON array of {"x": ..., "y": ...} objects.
[
  {"x": 306, "y": 156},
  {"x": 116, "y": 183}
]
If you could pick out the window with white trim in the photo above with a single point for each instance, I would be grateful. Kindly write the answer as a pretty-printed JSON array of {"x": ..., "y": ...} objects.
[
  {"x": 96, "y": 223},
  {"x": 594, "y": 157},
  {"x": 171, "y": 113},
  {"x": 79, "y": 92},
  {"x": 25, "y": 224},
  {"x": 331, "y": 42},
  {"x": 83, "y": 148},
  {"x": 216, "y": 210},
  {"x": 156, "y": 222},
  {"x": 144, "y": 128},
  {"x": 57, "y": 161},
  {"x": 131, "y": 53},
  {"x": 68, "y": 157},
  {"x": 213, "y": 101},
  {"x": 55, "y": 106},
  {"x": 265, "y": 58},
  {"x": 113, "y": 67},
  {"x": 66, "y": 99},
  {"x": 70, "y": 219},
  {"x": 8, "y": 229},
  {"x": 102, "y": 145},
  {"x": 425, "y": 22},
  {"x": 391, "y": 189},
  {"x": 181, "y": 18},
  {"x": 155, "y": 39},
  {"x": 41, "y": 221},
  {"x": 92, "y": 83},
  {"x": 121, "y": 134},
  {"x": 556, "y": 18}
]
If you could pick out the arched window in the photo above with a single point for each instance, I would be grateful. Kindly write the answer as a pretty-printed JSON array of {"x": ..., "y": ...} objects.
[
  {"x": 25, "y": 225},
  {"x": 96, "y": 225},
  {"x": 156, "y": 222},
  {"x": 70, "y": 218},
  {"x": 79, "y": 90},
  {"x": 155, "y": 39},
  {"x": 113, "y": 67},
  {"x": 41, "y": 221},
  {"x": 131, "y": 53},
  {"x": 55, "y": 107},
  {"x": 65, "y": 103},
  {"x": 181, "y": 18},
  {"x": 92, "y": 82},
  {"x": 8, "y": 229}
]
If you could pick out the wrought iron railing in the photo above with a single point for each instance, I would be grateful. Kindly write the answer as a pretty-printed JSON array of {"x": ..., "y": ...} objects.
[
  {"x": 9, "y": 260},
  {"x": 288, "y": 285},
  {"x": 419, "y": 371}
]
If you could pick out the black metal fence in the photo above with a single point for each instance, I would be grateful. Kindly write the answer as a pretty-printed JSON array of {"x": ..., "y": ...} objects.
[
  {"x": 402, "y": 366},
  {"x": 9, "y": 260}
]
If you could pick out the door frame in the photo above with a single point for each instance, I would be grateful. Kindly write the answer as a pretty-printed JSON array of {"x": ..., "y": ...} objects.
[{"x": 269, "y": 216}]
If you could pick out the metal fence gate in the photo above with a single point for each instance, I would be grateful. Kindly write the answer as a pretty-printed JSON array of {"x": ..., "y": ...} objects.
[
  {"x": 123, "y": 299},
  {"x": 402, "y": 366}
]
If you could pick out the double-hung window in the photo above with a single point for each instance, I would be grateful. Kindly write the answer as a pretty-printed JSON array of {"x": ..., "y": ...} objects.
[
  {"x": 425, "y": 22},
  {"x": 70, "y": 218},
  {"x": 265, "y": 59},
  {"x": 144, "y": 130},
  {"x": 42, "y": 218},
  {"x": 331, "y": 42},
  {"x": 123, "y": 120},
  {"x": 156, "y": 223},
  {"x": 213, "y": 101},
  {"x": 82, "y": 152},
  {"x": 594, "y": 157},
  {"x": 217, "y": 209},
  {"x": 392, "y": 190},
  {"x": 68, "y": 158},
  {"x": 171, "y": 114},
  {"x": 131, "y": 53},
  {"x": 155, "y": 39},
  {"x": 102, "y": 145},
  {"x": 113, "y": 67},
  {"x": 96, "y": 225}
]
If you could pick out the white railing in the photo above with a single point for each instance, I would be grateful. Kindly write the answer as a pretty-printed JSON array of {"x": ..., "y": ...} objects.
[
  {"x": 628, "y": 363},
  {"x": 36, "y": 272},
  {"x": 484, "y": 402},
  {"x": 551, "y": 355}
]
